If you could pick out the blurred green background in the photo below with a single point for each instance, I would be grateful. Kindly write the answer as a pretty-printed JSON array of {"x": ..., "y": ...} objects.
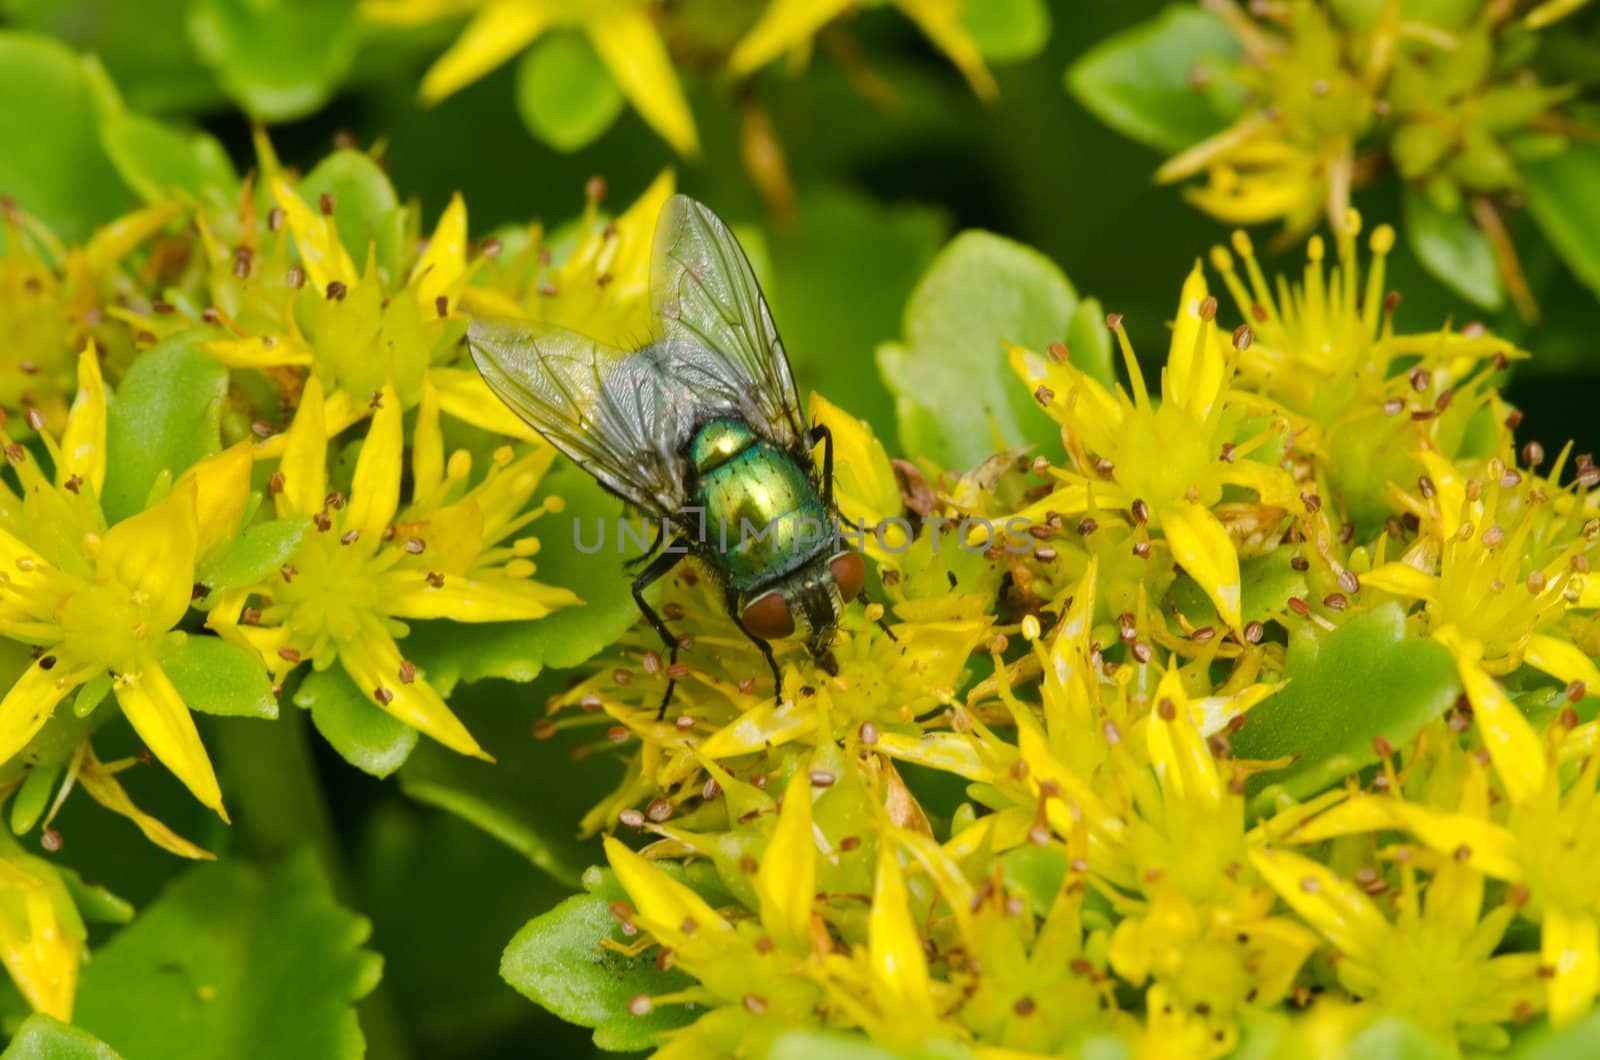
[{"x": 879, "y": 189}]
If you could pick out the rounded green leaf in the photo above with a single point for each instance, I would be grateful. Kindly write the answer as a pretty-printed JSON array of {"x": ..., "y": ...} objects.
[
  {"x": 1363, "y": 680},
  {"x": 43, "y": 1037},
  {"x": 1450, "y": 246},
  {"x": 365, "y": 207},
  {"x": 556, "y": 961},
  {"x": 51, "y": 159},
  {"x": 167, "y": 415},
  {"x": 155, "y": 159},
  {"x": 955, "y": 393},
  {"x": 1007, "y": 30},
  {"x": 255, "y": 553},
  {"x": 276, "y": 58},
  {"x": 365, "y": 736},
  {"x": 1141, "y": 81},
  {"x": 564, "y": 94},
  {"x": 216, "y": 677}
]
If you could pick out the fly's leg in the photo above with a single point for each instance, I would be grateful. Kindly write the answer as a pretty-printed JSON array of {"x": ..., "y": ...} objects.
[
  {"x": 661, "y": 532},
  {"x": 731, "y": 603},
  {"x": 820, "y": 433},
  {"x": 658, "y": 569}
]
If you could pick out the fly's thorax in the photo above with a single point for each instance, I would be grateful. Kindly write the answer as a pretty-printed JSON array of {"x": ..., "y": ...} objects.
[{"x": 764, "y": 515}]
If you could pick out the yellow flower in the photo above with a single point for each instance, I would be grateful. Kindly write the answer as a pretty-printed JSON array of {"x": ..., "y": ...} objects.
[
  {"x": 789, "y": 25},
  {"x": 50, "y": 295},
  {"x": 41, "y": 934},
  {"x": 622, "y": 32},
  {"x": 367, "y": 566},
  {"x": 100, "y": 601},
  {"x": 1465, "y": 992},
  {"x": 1166, "y": 464}
]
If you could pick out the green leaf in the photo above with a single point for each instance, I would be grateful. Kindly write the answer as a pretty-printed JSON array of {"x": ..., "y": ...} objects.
[
  {"x": 556, "y": 961},
  {"x": 532, "y": 796},
  {"x": 1450, "y": 247},
  {"x": 51, "y": 159},
  {"x": 1007, "y": 30},
  {"x": 564, "y": 93},
  {"x": 94, "y": 902},
  {"x": 255, "y": 553},
  {"x": 1580, "y": 1041},
  {"x": 166, "y": 416},
  {"x": 839, "y": 280},
  {"x": 43, "y": 1037},
  {"x": 365, "y": 206},
  {"x": 1562, "y": 200},
  {"x": 449, "y": 652},
  {"x": 1265, "y": 585},
  {"x": 155, "y": 158},
  {"x": 1363, "y": 680},
  {"x": 957, "y": 397},
  {"x": 234, "y": 962},
  {"x": 277, "y": 59},
  {"x": 216, "y": 677},
  {"x": 364, "y": 735},
  {"x": 1139, "y": 81}
]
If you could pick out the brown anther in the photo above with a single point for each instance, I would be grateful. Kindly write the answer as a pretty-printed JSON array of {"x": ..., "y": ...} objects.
[
  {"x": 1299, "y": 563},
  {"x": 631, "y": 817},
  {"x": 1141, "y": 549},
  {"x": 336, "y": 291},
  {"x": 659, "y": 810},
  {"x": 288, "y": 570},
  {"x": 1043, "y": 395},
  {"x": 1442, "y": 402},
  {"x": 436, "y": 579},
  {"x": 1349, "y": 581},
  {"x": 16, "y": 455},
  {"x": 349, "y": 537},
  {"x": 383, "y": 695},
  {"x": 295, "y": 277},
  {"x": 1087, "y": 526},
  {"x": 275, "y": 219},
  {"x": 1024, "y": 1006},
  {"x": 1576, "y": 691},
  {"x": 1299, "y": 606},
  {"x": 1393, "y": 407},
  {"x": 1039, "y": 835},
  {"x": 1514, "y": 419},
  {"x": 1335, "y": 602},
  {"x": 1310, "y": 884},
  {"x": 1253, "y": 632},
  {"x": 1219, "y": 745},
  {"x": 1167, "y": 709},
  {"x": 1208, "y": 308},
  {"x": 1426, "y": 486},
  {"x": 75, "y": 482},
  {"x": 754, "y": 1004},
  {"x": 1140, "y": 652},
  {"x": 1104, "y": 467},
  {"x": 442, "y": 305},
  {"x": 408, "y": 672},
  {"x": 1420, "y": 379},
  {"x": 490, "y": 248},
  {"x": 821, "y": 778},
  {"x": 289, "y": 654},
  {"x": 1113, "y": 734},
  {"x": 1258, "y": 312},
  {"x": 1141, "y": 512},
  {"x": 416, "y": 546},
  {"x": 1532, "y": 455},
  {"x": 50, "y": 840},
  {"x": 1536, "y": 581},
  {"x": 261, "y": 429},
  {"x": 1058, "y": 353},
  {"x": 1113, "y": 321},
  {"x": 640, "y": 1005},
  {"x": 1242, "y": 337}
]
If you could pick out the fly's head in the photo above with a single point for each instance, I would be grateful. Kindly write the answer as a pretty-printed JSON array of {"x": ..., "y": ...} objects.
[{"x": 807, "y": 603}]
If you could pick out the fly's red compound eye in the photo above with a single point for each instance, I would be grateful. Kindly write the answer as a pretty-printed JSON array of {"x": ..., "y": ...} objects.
[
  {"x": 849, "y": 572},
  {"x": 768, "y": 617}
]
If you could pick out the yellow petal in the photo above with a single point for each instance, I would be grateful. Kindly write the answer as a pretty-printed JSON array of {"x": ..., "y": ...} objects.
[
  {"x": 636, "y": 56},
  {"x": 863, "y": 479},
  {"x": 1561, "y": 659},
  {"x": 1450, "y": 491},
  {"x": 1512, "y": 743},
  {"x": 669, "y": 910},
  {"x": 769, "y": 725},
  {"x": 31, "y": 701},
  {"x": 1201, "y": 546},
  {"x": 782, "y": 26},
  {"x": 153, "y": 554},
  {"x": 1196, "y": 368},
  {"x": 104, "y": 787},
  {"x": 427, "y": 449},
  {"x": 1403, "y": 579},
  {"x": 893, "y": 945},
  {"x": 445, "y": 260},
  {"x": 316, "y": 235},
  {"x": 499, "y": 31},
  {"x": 83, "y": 444},
  {"x": 259, "y": 351},
  {"x": 1093, "y": 406},
  {"x": 1338, "y": 909},
  {"x": 372, "y": 659},
  {"x": 949, "y": 752},
  {"x": 489, "y": 598},
  {"x": 375, "y": 488},
  {"x": 39, "y": 950},
  {"x": 158, "y": 714},
  {"x": 111, "y": 244},
  {"x": 786, "y": 883},
  {"x": 1180, "y": 757},
  {"x": 464, "y": 395},
  {"x": 222, "y": 489},
  {"x": 1570, "y": 946},
  {"x": 940, "y": 21},
  {"x": 305, "y": 456}
]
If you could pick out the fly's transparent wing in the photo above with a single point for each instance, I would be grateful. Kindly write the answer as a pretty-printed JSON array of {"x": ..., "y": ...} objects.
[
  {"x": 618, "y": 415},
  {"x": 713, "y": 324}
]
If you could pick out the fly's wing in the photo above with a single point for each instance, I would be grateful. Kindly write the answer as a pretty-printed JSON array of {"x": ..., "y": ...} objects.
[
  {"x": 618, "y": 415},
  {"x": 713, "y": 325}
]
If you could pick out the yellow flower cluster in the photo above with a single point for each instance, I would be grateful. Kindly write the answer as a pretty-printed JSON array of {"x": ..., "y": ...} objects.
[{"x": 1079, "y": 784}]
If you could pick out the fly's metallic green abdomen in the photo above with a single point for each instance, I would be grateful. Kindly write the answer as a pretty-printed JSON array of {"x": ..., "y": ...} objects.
[{"x": 773, "y": 517}]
